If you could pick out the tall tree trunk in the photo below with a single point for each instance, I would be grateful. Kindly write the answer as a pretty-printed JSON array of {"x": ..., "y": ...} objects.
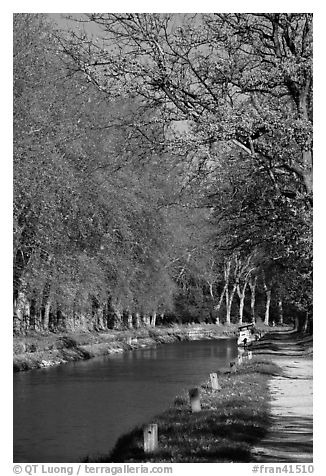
[
  {"x": 74, "y": 306},
  {"x": 268, "y": 303},
  {"x": 38, "y": 319},
  {"x": 46, "y": 317},
  {"x": 61, "y": 320},
  {"x": 117, "y": 318},
  {"x": 46, "y": 304},
  {"x": 305, "y": 324},
  {"x": 241, "y": 294},
  {"x": 252, "y": 284},
  {"x": 17, "y": 317},
  {"x": 21, "y": 308},
  {"x": 280, "y": 311},
  {"x": 218, "y": 306},
  {"x": 153, "y": 321},
  {"x": 211, "y": 291},
  {"x": 137, "y": 316},
  {"x": 99, "y": 317},
  {"x": 35, "y": 315},
  {"x": 130, "y": 325},
  {"x": 268, "y": 291},
  {"x": 241, "y": 305},
  {"x": 146, "y": 320},
  {"x": 27, "y": 312},
  {"x": 32, "y": 314},
  {"x": 229, "y": 299}
]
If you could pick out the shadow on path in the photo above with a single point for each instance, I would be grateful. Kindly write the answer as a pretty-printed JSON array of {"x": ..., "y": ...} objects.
[{"x": 290, "y": 438}]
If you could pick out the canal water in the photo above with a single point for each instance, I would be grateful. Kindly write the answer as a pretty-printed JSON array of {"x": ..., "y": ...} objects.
[{"x": 65, "y": 413}]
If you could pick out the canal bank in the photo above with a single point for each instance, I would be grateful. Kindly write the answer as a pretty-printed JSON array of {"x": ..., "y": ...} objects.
[
  {"x": 232, "y": 420},
  {"x": 46, "y": 350},
  {"x": 261, "y": 412}
]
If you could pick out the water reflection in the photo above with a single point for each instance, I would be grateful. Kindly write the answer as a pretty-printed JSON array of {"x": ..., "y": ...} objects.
[{"x": 149, "y": 353}]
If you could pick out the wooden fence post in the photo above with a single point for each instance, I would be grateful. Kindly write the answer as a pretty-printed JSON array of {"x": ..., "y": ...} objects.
[
  {"x": 195, "y": 400},
  {"x": 150, "y": 438},
  {"x": 214, "y": 382}
]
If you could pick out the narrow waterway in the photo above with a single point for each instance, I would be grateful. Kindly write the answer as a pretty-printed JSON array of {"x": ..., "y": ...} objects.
[{"x": 65, "y": 413}]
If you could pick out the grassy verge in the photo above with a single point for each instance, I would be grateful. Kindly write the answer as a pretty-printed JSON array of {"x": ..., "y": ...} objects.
[
  {"x": 233, "y": 419},
  {"x": 38, "y": 350}
]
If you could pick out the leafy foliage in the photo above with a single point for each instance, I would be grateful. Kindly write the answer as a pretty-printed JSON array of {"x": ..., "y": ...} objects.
[{"x": 148, "y": 173}]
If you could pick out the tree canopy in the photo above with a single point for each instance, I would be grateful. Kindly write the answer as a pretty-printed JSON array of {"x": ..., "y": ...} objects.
[{"x": 162, "y": 168}]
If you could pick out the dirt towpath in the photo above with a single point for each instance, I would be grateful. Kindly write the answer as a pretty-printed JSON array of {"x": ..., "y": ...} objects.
[{"x": 290, "y": 438}]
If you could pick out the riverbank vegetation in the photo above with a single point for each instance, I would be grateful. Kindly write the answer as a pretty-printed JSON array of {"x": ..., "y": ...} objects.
[
  {"x": 54, "y": 349},
  {"x": 48, "y": 349},
  {"x": 162, "y": 171},
  {"x": 233, "y": 419}
]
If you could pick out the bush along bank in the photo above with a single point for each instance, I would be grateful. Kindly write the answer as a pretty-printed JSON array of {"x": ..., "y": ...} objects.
[
  {"x": 231, "y": 421},
  {"x": 45, "y": 350}
]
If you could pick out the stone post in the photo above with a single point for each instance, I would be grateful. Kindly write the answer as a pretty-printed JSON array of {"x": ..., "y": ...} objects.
[
  {"x": 214, "y": 381},
  {"x": 150, "y": 438},
  {"x": 194, "y": 396}
]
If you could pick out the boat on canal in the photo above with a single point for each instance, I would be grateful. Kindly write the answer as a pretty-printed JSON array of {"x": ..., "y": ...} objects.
[{"x": 247, "y": 333}]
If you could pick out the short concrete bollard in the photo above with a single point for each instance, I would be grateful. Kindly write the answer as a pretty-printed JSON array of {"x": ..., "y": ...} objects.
[
  {"x": 233, "y": 367},
  {"x": 150, "y": 438},
  {"x": 249, "y": 354},
  {"x": 194, "y": 396},
  {"x": 239, "y": 359},
  {"x": 214, "y": 382}
]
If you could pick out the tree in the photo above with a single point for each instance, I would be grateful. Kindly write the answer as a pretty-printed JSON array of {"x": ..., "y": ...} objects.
[
  {"x": 240, "y": 83},
  {"x": 251, "y": 218},
  {"x": 167, "y": 171},
  {"x": 241, "y": 78},
  {"x": 245, "y": 268},
  {"x": 252, "y": 285},
  {"x": 91, "y": 238}
]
